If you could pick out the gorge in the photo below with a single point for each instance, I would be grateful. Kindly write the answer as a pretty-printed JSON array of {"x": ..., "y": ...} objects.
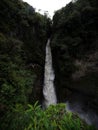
[{"x": 70, "y": 69}]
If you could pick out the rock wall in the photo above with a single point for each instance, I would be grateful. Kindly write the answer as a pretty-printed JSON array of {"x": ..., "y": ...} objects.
[{"x": 75, "y": 50}]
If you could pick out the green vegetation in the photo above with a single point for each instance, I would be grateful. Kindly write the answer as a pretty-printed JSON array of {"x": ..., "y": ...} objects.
[
  {"x": 34, "y": 118},
  {"x": 23, "y": 35},
  {"x": 74, "y": 47}
]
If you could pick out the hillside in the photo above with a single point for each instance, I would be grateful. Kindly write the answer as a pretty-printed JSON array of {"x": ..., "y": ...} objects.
[
  {"x": 75, "y": 50},
  {"x": 23, "y": 35}
]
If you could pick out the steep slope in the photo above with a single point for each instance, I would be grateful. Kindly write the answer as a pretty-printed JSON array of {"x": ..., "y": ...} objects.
[
  {"x": 75, "y": 49},
  {"x": 23, "y": 35}
]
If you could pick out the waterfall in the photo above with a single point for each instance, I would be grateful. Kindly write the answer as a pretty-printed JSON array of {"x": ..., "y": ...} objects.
[{"x": 48, "y": 88}]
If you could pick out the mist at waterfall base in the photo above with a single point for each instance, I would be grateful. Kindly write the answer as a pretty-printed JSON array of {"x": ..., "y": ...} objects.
[
  {"x": 80, "y": 104},
  {"x": 77, "y": 102}
]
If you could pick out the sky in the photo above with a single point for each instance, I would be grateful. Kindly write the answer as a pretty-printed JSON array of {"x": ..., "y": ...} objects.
[{"x": 47, "y": 5}]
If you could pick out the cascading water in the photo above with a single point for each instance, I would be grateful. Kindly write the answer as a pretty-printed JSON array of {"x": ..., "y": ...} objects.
[
  {"x": 76, "y": 102},
  {"x": 48, "y": 88}
]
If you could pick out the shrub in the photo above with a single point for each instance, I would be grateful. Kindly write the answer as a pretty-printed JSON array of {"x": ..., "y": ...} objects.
[{"x": 53, "y": 118}]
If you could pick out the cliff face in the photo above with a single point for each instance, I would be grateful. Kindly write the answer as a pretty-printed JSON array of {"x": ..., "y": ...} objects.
[
  {"x": 23, "y": 35},
  {"x": 75, "y": 49}
]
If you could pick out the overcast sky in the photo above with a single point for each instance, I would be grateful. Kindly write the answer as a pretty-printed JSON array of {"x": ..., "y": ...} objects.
[{"x": 48, "y": 5}]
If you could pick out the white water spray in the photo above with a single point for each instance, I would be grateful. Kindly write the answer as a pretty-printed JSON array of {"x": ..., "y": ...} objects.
[{"x": 48, "y": 88}]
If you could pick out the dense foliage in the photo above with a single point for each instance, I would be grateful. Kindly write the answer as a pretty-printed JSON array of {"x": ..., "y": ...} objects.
[
  {"x": 53, "y": 118},
  {"x": 23, "y": 35},
  {"x": 75, "y": 47}
]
